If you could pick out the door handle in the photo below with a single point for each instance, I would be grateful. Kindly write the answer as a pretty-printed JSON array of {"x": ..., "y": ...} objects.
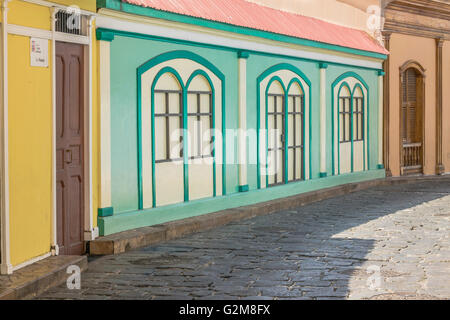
[{"x": 68, "y": 156}]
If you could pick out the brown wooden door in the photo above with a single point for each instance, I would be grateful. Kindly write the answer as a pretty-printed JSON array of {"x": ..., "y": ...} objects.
[{"x": 69, "y": 148}]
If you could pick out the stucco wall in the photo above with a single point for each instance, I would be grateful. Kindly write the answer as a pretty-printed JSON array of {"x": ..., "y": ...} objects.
[
  {"x": 128, "y": 53},
  {"x": 422, "y": 50},
  {"x": 30, "y": 136},
  {"x": 352, "y": 13}
]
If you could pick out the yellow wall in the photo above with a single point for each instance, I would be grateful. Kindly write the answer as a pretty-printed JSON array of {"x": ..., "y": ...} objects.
[
  {"x": 30, "y": 136},
  {"x": 422, "y": 50},
  {"x": 30, "y": 153}
]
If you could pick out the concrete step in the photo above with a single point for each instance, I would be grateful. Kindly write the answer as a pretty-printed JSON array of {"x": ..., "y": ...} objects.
[{"x": 38, "y": 277}]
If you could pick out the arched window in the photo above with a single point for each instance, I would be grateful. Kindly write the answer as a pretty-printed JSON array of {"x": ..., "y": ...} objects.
[
  {"x": 345, "y": 115},
  {"x": 168, "y": 139},
  {"x": 168, "y": 119},
  {"x": 181, "y": 154},
  {"x": 276, "y": 131},
  {"x": 200, "y": 118},
  {"x": 283, "y": 110},
  {"x": 350, "y": 123},
  {"x": 296, "y": 105},
  {"x": 412, "y": 77},
  {"x": 358, "y": 114}
]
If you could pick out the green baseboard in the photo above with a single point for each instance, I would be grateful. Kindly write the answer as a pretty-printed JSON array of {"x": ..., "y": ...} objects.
[
  {"x": 105, "y": 212},
  {"x": 243, "y": 188},
  {"x": 380, "y": 166},
  {"x": 143, "y": 218},
  {"x": 323, "y": 175}
]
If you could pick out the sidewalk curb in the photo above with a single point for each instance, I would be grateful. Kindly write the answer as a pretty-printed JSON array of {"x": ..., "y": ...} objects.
[{"x": 146, "y": 236}]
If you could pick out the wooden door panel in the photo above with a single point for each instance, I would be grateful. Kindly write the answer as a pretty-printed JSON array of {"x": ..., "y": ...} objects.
[
  {"x": 69, "y": 148},
  {"x": 74, "y": 91}
]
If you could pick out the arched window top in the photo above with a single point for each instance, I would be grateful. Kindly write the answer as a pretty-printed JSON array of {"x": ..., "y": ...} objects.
[
  {"x": 199, "y": 83},
  {"x": 295, "y": 88},
  {"x": 276, "y": 87},
  {"x": 344, "y": 90},
  {"x": 168, "y": 81},
  {"x": 357, "y": 92},
  {"x": 414, "y": 65}
]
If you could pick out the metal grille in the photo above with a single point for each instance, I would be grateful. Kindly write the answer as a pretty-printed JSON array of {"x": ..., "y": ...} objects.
[{"x": 70, "y": 22}]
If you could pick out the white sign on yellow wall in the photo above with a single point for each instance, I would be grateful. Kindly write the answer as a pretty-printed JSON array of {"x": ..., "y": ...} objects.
[{"x": 39, "y": 52}]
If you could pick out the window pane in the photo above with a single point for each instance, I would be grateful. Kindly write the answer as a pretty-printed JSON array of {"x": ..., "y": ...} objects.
[
  {"x": 160, "y": 138},
  {"x": 174, "y": 103},
  {"x": 205, "y": 103},
  {"x": 160, "y": 102}
]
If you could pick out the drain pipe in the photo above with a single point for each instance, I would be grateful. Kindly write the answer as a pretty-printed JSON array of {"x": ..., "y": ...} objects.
[{"x": 6, "y": 267}]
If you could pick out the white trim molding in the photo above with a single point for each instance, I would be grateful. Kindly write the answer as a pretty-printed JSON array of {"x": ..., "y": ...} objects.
[
  {"x": 31, "y": 261},
  {"x": 244, "y": 43},
  {"x": 380, "y": 118},
  {"x": 45, "y": 34},
  {"x": 6, "y": 266},
  {"x": 105, "y": 124}
]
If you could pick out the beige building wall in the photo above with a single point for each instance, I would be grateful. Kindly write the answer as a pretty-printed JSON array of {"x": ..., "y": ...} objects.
[
  {"x": 352, "y": 13},
  {"x": 423, "y": 51}
]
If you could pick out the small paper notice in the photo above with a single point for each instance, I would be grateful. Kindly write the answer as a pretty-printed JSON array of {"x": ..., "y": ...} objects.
[{"x": 39, "y": 52}]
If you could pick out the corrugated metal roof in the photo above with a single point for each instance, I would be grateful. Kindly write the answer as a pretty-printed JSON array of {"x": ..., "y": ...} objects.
[{"x": 250, "y": 15}]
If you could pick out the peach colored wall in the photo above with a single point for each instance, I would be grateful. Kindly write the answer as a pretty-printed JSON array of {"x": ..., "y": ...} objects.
[
  {"x": 422, "y": 50},
  {"x": 446, "y": 106}
]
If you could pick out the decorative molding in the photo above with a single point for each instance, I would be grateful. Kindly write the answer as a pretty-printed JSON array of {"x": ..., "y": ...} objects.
[
  {"x": 439, "y": 164},
  {"x": 121, "y": 27},
  {"x": 423, "y": 18},
  {"x": 243, "y": 54},
  {"x": 386, "y": 108},
  {"x": 103, "y": 35},
  {"x": 413, "y": 64},
  {"x": 105, "y": 212}
]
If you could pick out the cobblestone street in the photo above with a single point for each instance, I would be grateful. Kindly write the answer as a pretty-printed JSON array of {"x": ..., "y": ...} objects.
[{"x": 383, "y": 243}]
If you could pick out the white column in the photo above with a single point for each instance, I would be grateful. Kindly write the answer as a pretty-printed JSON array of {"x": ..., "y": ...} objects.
[
  {"x": 6, "y": 267},
  {"x": 105, "y": 208},
  {"x": 323, "y": 120},
  {"x": 242, "y": 136},
  {"x": 380, "y": 119},
  {"x": 90, "y": 233},
  {"x": 54, "y": 246}
]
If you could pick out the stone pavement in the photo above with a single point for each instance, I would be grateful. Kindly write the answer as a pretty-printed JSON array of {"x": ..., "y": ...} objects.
[{"x": 390, "y": 242}]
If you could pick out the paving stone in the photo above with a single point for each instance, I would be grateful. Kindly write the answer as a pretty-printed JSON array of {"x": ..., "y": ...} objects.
[{"x": 390, "y": 242}]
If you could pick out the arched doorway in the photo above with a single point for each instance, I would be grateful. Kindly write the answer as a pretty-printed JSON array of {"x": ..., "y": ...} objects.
[{"x": 412, "y": 104}]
